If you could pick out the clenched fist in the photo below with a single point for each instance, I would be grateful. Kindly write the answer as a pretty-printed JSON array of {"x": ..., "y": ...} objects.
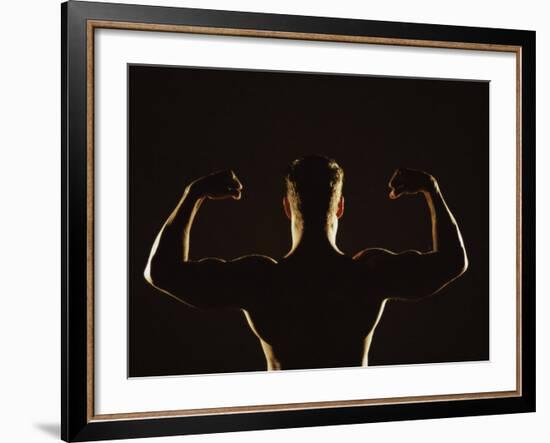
[
  {"x": 218, "y": 186},
  {"x": 409, "y": 181}
]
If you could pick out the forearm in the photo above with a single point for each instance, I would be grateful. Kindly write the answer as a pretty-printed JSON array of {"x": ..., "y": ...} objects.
[
  {"x": 446, "y": 237},
  {"x": 171, "y": 246},
  {"x": 177, "y": 229}
]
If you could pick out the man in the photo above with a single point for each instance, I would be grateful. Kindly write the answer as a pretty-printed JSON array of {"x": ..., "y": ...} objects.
[{"x": 294, "y": 304}]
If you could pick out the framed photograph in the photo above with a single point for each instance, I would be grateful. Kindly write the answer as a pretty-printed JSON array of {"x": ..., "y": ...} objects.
[{"x": 360, "y": 197}]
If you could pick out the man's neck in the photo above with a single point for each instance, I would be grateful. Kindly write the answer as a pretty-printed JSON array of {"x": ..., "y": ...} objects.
[{"x": 314, "y": 239}]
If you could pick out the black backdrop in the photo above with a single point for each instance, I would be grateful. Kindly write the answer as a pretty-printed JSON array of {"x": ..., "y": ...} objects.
[{"x": 187, "y": 122}]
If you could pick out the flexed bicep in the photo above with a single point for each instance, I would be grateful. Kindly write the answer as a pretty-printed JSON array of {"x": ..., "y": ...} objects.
[
  {"x": 413, "y": 274},
  {"x": 206, "y": 283}
]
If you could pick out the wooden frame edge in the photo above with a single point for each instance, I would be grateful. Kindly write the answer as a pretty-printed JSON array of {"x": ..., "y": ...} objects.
[
  {"x": 302, "y": 406},
  {"x": 92, "y": 24},
  {"x": 338, "y": 38}
]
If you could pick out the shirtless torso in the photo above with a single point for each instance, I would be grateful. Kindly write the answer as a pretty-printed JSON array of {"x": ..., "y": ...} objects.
[
  {"x": 296, "y": 313},
  {"x": 292, "y": 304}
]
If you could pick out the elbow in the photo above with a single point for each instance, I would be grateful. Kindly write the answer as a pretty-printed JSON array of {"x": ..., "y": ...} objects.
[
  {"x": 147, "y": 273},
  {"x": 151, "y": 273},
  {"x": 152, "y": 267},
  {"x": 462, "y": 263},
  {"x": 465, "y": 263},
  {"x": 159, "y": 273},
  {"x": 455, "y": 264}
]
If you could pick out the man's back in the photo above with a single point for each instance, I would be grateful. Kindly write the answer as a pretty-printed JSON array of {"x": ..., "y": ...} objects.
[{"x": 315, "y": 312}]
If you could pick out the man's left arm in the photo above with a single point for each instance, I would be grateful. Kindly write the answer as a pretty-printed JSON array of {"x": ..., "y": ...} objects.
[{"x": 413, "y": 274}]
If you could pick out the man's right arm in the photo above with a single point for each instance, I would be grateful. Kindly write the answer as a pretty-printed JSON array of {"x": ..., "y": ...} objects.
[
  {"x": 413, "y": 274},
  {"x": 209, "y": 282}
]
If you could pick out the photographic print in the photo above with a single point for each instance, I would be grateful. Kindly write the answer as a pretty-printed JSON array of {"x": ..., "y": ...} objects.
[
  {"x": 296, "y": 221},
  {"x": 275, "y": 221}
]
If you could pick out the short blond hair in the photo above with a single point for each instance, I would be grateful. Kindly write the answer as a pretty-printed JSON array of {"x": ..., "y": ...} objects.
[{"x": 314, "y": 187}]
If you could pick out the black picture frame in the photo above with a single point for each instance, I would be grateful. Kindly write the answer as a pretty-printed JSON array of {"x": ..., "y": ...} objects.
[{"x": 77, "y": 418}]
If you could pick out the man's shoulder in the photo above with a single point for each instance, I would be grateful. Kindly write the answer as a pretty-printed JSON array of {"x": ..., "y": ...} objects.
[
  {"x": 372, "y": 254},
  {"x": 239, "y": 262},
  {"x": 253, "y": 259},
  {"x": 380, "y": 257}
]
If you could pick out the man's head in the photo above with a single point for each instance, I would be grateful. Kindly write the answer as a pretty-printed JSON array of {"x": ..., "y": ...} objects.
[{"x": 314, "y": 190}]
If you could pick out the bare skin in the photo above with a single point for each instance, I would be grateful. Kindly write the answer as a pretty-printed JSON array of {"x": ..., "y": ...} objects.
[{"x": 291, "y": 304}]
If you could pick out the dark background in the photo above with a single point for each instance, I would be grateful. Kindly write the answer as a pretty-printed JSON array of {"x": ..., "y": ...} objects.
[{"x": 188, "y": 122}]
